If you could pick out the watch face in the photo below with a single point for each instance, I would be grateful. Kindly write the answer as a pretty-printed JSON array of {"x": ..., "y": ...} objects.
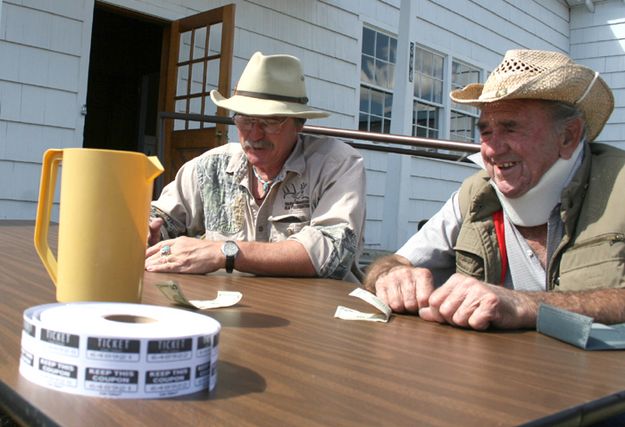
[{"x": 230, "y": 248}]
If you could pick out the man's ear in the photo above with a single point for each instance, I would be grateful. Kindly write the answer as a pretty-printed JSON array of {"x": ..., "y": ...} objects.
[{"x": 571, "y": 137}]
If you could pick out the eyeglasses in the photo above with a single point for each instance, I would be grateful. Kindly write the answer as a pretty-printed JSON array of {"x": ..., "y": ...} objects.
[{"x": 269, "y": 125}]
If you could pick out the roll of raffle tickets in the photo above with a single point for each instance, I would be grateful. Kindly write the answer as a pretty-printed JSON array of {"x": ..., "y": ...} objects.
[{"x": 119, "y": 350}]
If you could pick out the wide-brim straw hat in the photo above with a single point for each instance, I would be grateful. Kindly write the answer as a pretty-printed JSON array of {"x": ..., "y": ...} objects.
[
  {"x": 270, "y": 85},
  {"x": 536, "y": 74}
]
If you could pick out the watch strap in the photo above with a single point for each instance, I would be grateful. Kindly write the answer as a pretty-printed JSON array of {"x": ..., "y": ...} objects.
[{"x": 229, "y": 263}]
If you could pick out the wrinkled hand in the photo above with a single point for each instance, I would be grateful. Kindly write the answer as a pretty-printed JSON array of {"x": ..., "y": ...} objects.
[
  {"x": 405, "y": 288},
  {"x": 154, "y": 230},
  {"x": 187, "y": 255},
  {"x": 469, "y": 303}
]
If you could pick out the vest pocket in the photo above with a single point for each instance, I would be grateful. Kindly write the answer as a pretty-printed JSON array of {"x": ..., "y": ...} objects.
[{"x": 598, "y": 262}]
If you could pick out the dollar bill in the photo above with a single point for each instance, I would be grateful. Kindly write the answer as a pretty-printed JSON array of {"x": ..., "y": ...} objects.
[{"x": 173, "y": 292}]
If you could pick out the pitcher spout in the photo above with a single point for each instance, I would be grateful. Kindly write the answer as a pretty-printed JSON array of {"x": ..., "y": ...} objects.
[{"x": 154, "y": 169}]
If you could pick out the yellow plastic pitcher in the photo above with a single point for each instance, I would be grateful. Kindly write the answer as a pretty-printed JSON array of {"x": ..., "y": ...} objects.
[{"x": 103, "y": 222}]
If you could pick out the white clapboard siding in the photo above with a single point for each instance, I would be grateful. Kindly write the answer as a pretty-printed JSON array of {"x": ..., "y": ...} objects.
[
  {"x": 41, "y": 55},
  {"x": 598, "y": 41}
]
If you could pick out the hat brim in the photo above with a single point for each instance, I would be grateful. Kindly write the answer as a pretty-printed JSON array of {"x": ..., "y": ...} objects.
[
  {"x": 265, "y": 107},
  {"x": 597, "y": 106}
]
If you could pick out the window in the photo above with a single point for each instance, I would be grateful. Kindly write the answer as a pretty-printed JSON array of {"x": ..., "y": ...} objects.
[
  {"x": 428, "y": 93},
  {"x": 377, "y": 75},
  {"x": 463, "y": 117},
  {"x": 431, "y": 105}
]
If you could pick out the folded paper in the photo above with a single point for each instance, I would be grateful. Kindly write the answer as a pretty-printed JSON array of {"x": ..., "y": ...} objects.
[
  {"x": 579, "y": 330},
  {"x": 346, "y": 313}
]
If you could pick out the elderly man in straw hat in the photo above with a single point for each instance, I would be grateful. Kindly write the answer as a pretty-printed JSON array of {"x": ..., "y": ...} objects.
[
  {"x": 542, "y": 223},
  {"x": 279, "y": 203}
]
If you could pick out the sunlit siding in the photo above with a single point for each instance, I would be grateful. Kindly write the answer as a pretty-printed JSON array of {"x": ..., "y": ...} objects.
[
  {"x": 598, "y": 41},
  {"x": 41, "y": 49}
]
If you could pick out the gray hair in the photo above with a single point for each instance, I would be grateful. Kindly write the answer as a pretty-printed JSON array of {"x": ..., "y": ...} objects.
[{"x": 562, "y": 113}]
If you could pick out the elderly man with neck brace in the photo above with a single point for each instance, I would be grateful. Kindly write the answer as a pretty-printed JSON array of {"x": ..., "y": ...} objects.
[
  {"x": 277, "y": 203},
  {"x": 542, "y": 223}
]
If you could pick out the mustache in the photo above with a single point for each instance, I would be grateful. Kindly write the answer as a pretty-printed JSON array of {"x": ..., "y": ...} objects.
[{"x": 257, "y": 144}]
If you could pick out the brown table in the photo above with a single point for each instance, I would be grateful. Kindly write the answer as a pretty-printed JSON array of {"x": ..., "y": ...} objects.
[{"x": 284, "y": 360}]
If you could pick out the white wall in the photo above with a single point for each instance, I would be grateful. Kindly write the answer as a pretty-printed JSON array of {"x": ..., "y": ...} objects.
[
  {"x": 44, "y": 49},
  {"x": 598, "y": 41}
]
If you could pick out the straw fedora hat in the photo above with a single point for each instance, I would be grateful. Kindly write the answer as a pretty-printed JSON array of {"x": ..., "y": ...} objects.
[
  {"x": 536, "y": 74},
  {"x": 270, "y": 85}
]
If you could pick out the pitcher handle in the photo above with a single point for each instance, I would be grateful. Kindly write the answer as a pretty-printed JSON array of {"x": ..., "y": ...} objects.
[{"x": 49, "y": 170}]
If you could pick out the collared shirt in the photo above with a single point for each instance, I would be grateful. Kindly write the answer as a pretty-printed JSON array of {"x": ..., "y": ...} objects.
[{"x": 318, "y": 200}]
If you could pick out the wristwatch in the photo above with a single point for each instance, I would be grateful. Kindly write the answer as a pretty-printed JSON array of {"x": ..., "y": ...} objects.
[{"x": 230, "y": 250}]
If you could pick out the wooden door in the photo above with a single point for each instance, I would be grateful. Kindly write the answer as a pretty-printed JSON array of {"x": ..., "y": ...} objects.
[{"x": 199, "y": 59}]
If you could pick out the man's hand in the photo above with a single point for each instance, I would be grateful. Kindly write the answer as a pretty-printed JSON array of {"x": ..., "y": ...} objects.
[
  {"x": 469, "y": 303},
  {"x": 405, "y": 288},
  {"x": 186, "y": 255}
]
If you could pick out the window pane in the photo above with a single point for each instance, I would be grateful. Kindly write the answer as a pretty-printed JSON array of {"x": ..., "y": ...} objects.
[
  {"x": 437, "y": 91},
  {"x": 363, "y": 122},
  {"x": 210, "y": 109},
  {"x": 197, "y": 75},
  {"x": 194, "y": 124},
  {"x": 377, "y": 102},
  {"x": 182, "y": 79},
  {"x": 368, "y": 40},
  {"x": 388, "y": 104},
  {"x": 426, "y": 67},
  {"x": 382, "y": 72},
  {"x": 461, "y": 76},
  {"x": 391, "y": 76},
  {"x": 367, "y": 71},
  {"x": 382, "y": 46},
  {"x": 426, "y": 88},
  {"x": 393, "y": 52},
  {"x": 184, "y": 47},
  {"x": 375, "y": 124},
  {"x": 462, "y": 127},
  {"x": 364, "y": 99},
  {"x": 181, "y": 107},
  {"x": 418, "y": 84},
  {"x": 214, "y": 41},
  {"x": 212, "y": 75},
  {"x": 199, "y": 43},
  {"x": 425, "y": 120},
  {"x": 437, "y": 66}
]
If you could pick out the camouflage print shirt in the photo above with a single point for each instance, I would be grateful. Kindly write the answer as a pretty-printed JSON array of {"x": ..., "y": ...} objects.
[{"x": 318, "y": 200}]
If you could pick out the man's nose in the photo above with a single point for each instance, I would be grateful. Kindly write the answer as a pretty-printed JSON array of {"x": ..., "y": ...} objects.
[
  {"x": 495, "y": 143},
  {"x": 257, "y": 132}
]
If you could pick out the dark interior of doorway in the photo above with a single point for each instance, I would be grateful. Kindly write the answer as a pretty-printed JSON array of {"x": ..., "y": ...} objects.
[{"x": 123, "y": 82}]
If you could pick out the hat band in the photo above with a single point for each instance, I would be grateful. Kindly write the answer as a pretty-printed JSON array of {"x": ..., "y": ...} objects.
[
  {"x": 590, "y": 85},
  {"x": 270, "y": 96}
]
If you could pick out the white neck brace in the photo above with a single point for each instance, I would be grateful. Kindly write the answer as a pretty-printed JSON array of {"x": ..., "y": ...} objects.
[{"x": 534, "y": 207}]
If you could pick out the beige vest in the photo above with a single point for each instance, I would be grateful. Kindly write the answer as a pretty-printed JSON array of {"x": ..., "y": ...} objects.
[{"x": 592, "y": 251}]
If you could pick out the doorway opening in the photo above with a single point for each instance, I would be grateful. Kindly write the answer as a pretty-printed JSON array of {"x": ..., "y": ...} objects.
[{"x": 124, "y": 79}]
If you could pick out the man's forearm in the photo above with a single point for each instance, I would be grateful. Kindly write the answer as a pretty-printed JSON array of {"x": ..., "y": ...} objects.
[
  {"x": 382, "y": 266},
  {"x": 286, "y": 258},
  {"x": 603, "y": 305}
]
